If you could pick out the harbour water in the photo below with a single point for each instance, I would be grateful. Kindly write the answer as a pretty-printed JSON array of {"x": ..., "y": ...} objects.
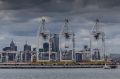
[{"x": 85, "y": 73}]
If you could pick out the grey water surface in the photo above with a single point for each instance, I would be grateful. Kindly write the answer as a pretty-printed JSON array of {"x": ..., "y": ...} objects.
[{"x": 60, "y": 73}]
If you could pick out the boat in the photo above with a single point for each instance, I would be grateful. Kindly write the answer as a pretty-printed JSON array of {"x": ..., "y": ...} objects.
[{"x": 106, "y": 66}]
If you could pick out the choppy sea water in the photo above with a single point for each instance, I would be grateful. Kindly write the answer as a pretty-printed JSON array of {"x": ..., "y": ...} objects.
[{"x": 59, "y": 74}]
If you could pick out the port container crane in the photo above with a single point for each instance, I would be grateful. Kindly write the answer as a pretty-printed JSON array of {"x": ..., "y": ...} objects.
[
  {"x": 67, "y": 43},
  {"x": 97, "y": 42},
  {"x": 43, "y": 40}
]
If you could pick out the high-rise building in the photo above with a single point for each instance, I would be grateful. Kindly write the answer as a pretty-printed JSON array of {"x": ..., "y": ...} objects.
[
  {"x": 27, "y": 47},
  {"x": 55, "y": 43},
  {"x": 12, "y": 47},
  {"x": 45, "y": 47}
]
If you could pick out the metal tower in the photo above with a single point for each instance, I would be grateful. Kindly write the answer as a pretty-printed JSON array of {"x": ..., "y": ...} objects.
[
  {"x": 97, "y": 42},
  {"x": 66, "y": 41},
  {"x": 43, "y": 43}
]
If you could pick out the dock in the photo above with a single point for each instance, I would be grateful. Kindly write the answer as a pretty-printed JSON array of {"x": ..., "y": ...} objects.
[{"x": 17, "y": 66}]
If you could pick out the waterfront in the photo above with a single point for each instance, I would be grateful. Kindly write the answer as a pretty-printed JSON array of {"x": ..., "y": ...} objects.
[{"x": 59, "y": 73}]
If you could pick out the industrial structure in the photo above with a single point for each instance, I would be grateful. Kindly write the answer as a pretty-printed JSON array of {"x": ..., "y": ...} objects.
[
  {"x": 66, "y": 43},
  {"x": 58, "y": 48},
  {"x": 43, "y": 41},
  {"x": 97, "y": 42}
]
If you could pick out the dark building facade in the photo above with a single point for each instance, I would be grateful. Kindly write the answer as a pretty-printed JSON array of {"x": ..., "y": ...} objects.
[
  {"x": 27, "y": 54},
  {"x": 55, "y": 43},
  {"x": 78, "y": 57},
  {"x": 6, "y": 49},
  {"x": 27, "y": 47},
  {"x": 12, "y": 47},
  {"x": 45, "y": 47}
]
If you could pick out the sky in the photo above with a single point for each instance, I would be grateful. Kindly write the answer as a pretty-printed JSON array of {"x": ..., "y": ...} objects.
[{"x": 20, "y": 20}]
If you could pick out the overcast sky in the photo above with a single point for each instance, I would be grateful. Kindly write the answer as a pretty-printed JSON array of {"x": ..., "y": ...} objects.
[{"x": 20, "y": 19}]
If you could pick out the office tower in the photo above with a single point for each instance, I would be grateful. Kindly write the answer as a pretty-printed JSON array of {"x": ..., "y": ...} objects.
[
  {"x": 55, "y": 43},
  {"x": 13, "y": 46},
  {"x": 27, "y": 47},
  {"x": 46, "y": 47}
]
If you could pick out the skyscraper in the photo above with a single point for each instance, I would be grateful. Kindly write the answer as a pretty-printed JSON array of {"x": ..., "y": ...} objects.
[
  {"x": 27, "y": 47},
  {"x": 55, "y": 43},
  {"x": 13, "y": 46}
]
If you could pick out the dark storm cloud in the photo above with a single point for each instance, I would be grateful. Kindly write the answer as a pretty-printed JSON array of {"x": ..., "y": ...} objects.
[
  {"x": 101, "y": 3},
  {"x": 52, "y": 5},
  {"x": 43, "y": 5},
  {"x": 24, "y": 10}
]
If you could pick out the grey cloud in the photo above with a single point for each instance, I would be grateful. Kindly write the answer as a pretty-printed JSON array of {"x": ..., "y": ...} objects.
[
  {"x": 57, "y": 5},
  {"x": 17, "y": 16},
  {"x": 24, "y": 10},
  {"x": 43, "y": 5}
]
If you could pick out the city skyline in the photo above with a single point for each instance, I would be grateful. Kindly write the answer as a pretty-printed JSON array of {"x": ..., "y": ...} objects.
[
  {"x": 59, "y": 39},
  {"x": 19, "y": 20}
]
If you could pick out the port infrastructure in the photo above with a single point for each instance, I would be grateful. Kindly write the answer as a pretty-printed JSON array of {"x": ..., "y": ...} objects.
[
  {"x": 43, "y": 36},
  {"x": 97, "y": 42}
]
